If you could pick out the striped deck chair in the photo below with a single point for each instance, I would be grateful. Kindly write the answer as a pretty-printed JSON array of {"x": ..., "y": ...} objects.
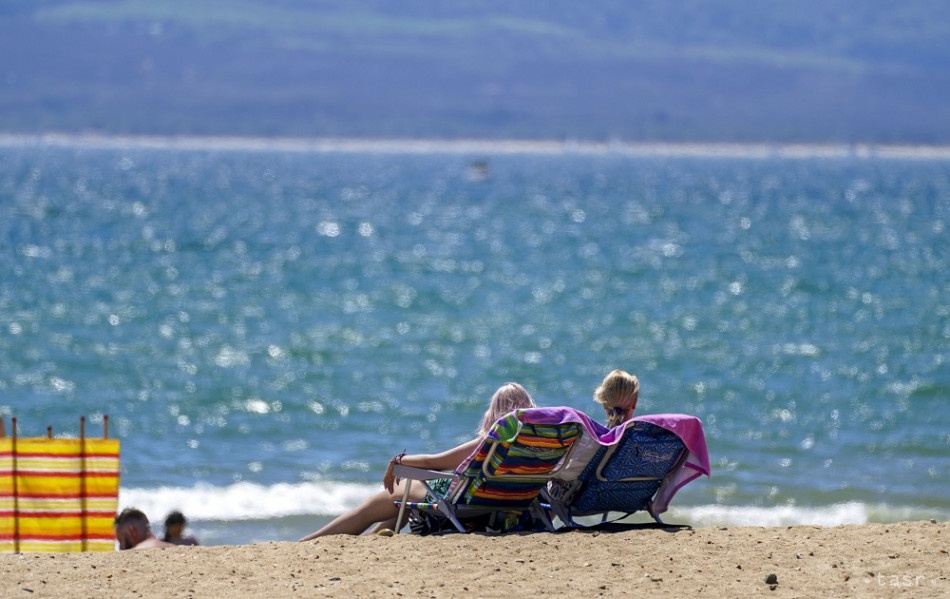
[
  {"x": 504, "y": 476},
  {"x": 641, "y": 464}
]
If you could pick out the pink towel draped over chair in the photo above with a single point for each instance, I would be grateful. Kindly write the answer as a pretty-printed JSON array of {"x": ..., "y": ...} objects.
[{"x": 696, "y": 464}]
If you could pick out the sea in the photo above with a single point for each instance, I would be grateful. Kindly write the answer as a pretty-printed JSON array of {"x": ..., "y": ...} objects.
[{"x": 263, "y": 323}]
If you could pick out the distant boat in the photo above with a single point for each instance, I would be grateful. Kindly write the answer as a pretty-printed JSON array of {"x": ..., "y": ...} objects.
[{"x": 478, "y": 170}]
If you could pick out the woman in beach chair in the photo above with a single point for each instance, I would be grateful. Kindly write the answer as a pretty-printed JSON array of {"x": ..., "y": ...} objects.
[
  {"x": 641, "y": 464},
  {"x": 379, "y": 512}
]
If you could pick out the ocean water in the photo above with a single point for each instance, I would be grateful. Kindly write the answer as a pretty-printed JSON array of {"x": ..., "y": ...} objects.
[{"x": 265, "y": 325}]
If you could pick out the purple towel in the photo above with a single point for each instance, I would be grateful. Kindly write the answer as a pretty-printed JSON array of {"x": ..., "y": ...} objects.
[{"x": 690, "y": 430}]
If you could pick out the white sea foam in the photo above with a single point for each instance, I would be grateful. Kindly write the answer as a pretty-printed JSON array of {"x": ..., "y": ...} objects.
[
  {"x": 249, "y": 501},
  {"x": 853, "y": 512},
  {"x": 479, "y": 146}
]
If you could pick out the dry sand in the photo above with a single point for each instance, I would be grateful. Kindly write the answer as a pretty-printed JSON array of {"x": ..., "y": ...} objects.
[{"x": 877, "y": 560}]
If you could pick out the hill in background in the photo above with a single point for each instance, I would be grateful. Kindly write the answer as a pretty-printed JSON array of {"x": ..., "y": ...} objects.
[{"x": 817, "y": 71}]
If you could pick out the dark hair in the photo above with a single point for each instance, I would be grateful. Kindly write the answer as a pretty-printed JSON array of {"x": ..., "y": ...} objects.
[
  {"x": 174, "y": 518},
  {"x": 131, "y": 516}
]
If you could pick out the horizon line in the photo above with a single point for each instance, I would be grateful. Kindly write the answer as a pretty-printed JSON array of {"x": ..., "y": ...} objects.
[{"x": 479, "y": 146}]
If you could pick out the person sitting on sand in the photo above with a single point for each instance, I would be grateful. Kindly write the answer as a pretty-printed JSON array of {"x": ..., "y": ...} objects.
[
  {"x": 618, "y": 394},
  {"x": 379, "y": 512},
  {"x": 133, "y": 531},
  {"x": 174, "y": 529}
]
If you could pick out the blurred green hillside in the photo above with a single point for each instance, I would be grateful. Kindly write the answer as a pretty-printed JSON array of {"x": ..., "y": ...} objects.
[{"x": 730, "y": 70}]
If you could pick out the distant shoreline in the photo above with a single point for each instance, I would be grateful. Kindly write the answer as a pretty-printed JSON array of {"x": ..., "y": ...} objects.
[{"x": 477, "y": 147}]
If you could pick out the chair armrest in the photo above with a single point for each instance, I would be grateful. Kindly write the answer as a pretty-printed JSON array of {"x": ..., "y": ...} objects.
[
  {"x": 411, "y": 473},
  {"x": 404, "y": 471}
]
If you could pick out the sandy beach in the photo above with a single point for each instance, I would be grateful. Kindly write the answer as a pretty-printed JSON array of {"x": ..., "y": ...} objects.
[{"x": 876, "y": 560}]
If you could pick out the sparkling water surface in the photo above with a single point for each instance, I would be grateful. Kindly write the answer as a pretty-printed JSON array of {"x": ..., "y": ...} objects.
[{"x": 264, "y": 328}]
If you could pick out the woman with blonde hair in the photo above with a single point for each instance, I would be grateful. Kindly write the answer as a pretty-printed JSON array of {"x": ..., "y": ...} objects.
[
  {"x": 379, "y": 512},
  {"x": 618, "y": 394}
]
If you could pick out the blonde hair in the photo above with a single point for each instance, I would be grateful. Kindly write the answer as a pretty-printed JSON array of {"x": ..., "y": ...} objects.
[
  {"x": 508, "y": 397},
  {"x": 618, "y": 394}
]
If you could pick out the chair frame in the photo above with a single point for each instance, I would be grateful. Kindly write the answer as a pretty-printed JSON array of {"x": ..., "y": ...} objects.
[
  {"x": 562, "y": 509},
  {"x": 449, "y": 506}
]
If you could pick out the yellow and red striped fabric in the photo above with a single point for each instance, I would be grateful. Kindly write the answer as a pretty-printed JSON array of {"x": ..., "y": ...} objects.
[{"x": 58, "y": 495}]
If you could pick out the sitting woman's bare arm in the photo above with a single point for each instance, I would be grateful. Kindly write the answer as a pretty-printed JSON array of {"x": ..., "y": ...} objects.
[{"x": 447, "y": 460}]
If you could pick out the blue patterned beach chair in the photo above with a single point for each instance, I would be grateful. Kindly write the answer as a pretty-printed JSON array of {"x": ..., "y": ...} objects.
[
  {"x": 639, "y": 466},
  {"x": 501, "y": 481}
]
